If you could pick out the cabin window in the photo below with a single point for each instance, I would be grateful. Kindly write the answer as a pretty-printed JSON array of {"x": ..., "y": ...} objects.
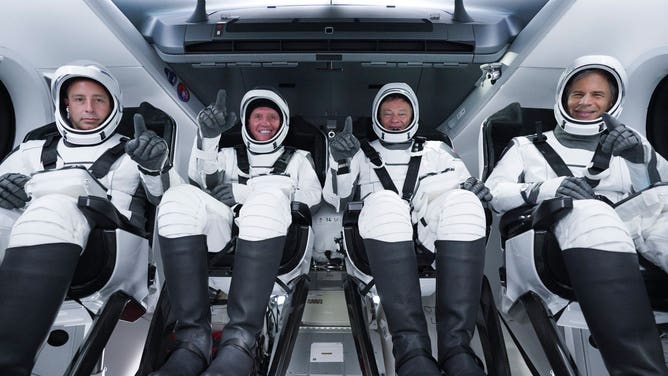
[
  {"x": 657, "y": 118},
  {"x": 7, "y": 122}
]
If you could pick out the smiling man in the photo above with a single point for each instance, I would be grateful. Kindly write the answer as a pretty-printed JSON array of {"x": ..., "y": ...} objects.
[
  {"x": 598, "y": 242},
  {"x": 262, "y": 175}
]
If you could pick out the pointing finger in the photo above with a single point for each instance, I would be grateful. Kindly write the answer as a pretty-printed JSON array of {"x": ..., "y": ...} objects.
[
  {"x": 140, "y": 126},
  {"x": 221, "y": 99},
  {"x": 348, "y": 126}
]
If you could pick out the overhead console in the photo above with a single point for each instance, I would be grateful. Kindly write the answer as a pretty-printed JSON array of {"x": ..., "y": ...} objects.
[{"x": 331, "y": 33}]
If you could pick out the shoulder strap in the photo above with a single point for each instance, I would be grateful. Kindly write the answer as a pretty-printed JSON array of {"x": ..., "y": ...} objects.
[
  {"x": 413, "y": 168},
  {"x": 379, "y": 166},
  {"x": 282, "y": 162},
  {"x": 102, "y": 165},
  {"x": 553, "y": 159},
  {"x": 242, "y": 163},
  {"x": 49, "y": 155}
]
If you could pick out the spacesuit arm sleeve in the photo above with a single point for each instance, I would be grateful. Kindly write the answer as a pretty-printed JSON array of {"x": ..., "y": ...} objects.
[
  {"x": 156, "y": 185},
  {"x": 507, "y": 184},
  {"x": 14, "y": 163},
  {"x": 654, "y": 168},
  {"x": 339, "y": 187},
  {"x": 203, "y": 160},
  {"x": 308, "y": 188}
]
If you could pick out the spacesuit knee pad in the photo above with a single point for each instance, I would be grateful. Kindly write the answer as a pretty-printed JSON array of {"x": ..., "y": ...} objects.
[
  {"x": 385, "y": 217},
  {"x": 52, "y": 218},
  {"x": 460, "y": 216},
  {"x": 264, "y": 215},
  {"x": 595, "y": 225},
  {"x": 181, "y": 212}
]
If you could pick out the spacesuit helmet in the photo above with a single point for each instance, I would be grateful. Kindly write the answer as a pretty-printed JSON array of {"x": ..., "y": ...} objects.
[
  {"x": 62, "y": 79},
  {"x": 264, "y": 97},
  {"x": 394, "y": 90},
  {"x": 615, "y": 74}
]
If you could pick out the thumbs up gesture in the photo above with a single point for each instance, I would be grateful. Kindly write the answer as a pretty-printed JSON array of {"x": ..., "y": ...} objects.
[
  {"x": 344, "y": 145},
  {"x": 214, "y": 119},
  {"x": 621, "y": 141},
  {"x": 147, "y": 148}
]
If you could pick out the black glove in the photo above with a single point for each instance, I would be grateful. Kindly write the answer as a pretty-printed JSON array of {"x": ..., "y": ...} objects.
[
  {"x": 12, "y": 194},
  {"x": 214, "y": 119},
  {"x": 478, "y": 188},
  {"x": 344, "y": 145},
  {"x": 224, "y": 193},
  {"x": 621, "y": 141},
  {"x": 576, "y": 188},
  {"x": 147, "y": 148}
]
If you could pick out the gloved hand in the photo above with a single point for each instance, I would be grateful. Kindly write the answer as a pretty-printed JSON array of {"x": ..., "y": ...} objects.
[
  {"x": 621, "y": 141},
  {"x": 12, "y": 194},
  {"x": 224, "y": 193},
  {"x": 576, "y": 188},
  {"x": 479, "y": 188},
  {"x": 214, "y": 119},
  {"x": 149, "y": 150},
  {"x": 344, "y": 145}
]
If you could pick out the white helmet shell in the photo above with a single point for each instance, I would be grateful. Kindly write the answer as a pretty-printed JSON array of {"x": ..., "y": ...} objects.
[
  {"x": 263, "y": 147},
  {"x": 395, "y": 136},
  {"x": 100, "y": 74},
  {"x": 595, "y": 62}
]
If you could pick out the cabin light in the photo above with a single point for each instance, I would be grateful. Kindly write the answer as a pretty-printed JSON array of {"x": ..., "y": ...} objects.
[{"x": 376, "y": 299}]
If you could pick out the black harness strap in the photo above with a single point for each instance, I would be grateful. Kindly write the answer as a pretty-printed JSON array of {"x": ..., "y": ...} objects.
[
  {"x": 384, "y": 177},
  {"x": 49, "y": 155},
  {"x": 278, "y": 168},
  {"x": 379, "y": 167},
  {"x": 413, "y": 168},
  {"x": 242, "y": 163},
  {"x": 282, "y": 162},
  {"x": 99, "y": 168},
  {"x": 553, "y": 159},
  {"x": 102, "y": 165}
]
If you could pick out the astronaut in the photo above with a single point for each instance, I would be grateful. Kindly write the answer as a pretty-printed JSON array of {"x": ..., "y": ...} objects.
[
  {"x": 450, "y": 222},
  {"x": 263, "y": 176},
  {"x": 597, "y": 247},
  {"x": 45, "y": 231}
]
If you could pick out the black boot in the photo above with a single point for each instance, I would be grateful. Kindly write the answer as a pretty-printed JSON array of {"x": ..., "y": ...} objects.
[
  {"x": 615, "y": 304},
  {"x": 394, "y": 269},
  {"x": 256, "y": 266},
  {"x": 186, "y": 276},
  {"x": 459, "y": 272},
  {"x": 33, "y": 284}
]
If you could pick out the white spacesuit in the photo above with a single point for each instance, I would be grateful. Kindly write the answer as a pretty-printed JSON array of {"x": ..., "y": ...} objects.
[
  {"x": 450, "y": 222},
  {"x": 598, "y": 249},
  {"x": 262, "y": 176},
  {"x": 44, "y": 230}
]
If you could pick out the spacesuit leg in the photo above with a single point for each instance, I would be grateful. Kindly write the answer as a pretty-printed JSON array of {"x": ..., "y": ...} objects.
[
  {"x": 186, "y": 216},
  {"x": 7, "y": 220},
  {"x": 44, "y": 247},
  {"x": 385, "y": 226},
  {"x": 263, "y": 225},
  {"x": 603, "y": 268},
  {"x": 656, "y": 241},
  {"x": 460, "y": 256}
]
